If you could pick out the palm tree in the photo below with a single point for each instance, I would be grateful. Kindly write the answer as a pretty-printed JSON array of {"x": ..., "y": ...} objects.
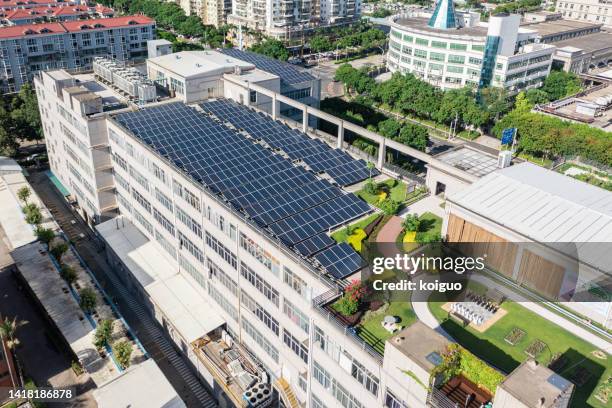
[{"x": 23, "y": 194}]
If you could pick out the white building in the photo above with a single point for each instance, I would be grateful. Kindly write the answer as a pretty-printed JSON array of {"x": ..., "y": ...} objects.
[
  {"x": 596, "y": 11},
  {"x": 292, "y": 19},
  {"x": 454, "y": 49}
]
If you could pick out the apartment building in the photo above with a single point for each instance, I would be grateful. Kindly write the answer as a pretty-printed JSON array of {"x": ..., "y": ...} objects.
[
  {"x": 453, "y": 49},
  {"x": 215, "y": 12},
  {"x": 60, "y": 12},
  {"x": 28, "y": 49},
  {"x": 595, "y": 11},
  {"x": 293, "y": 19}
]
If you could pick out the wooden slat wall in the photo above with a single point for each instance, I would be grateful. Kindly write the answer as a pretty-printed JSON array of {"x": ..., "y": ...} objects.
[
  {"x": 541, "y": 274},
  {"x": 501, "y": 254}
]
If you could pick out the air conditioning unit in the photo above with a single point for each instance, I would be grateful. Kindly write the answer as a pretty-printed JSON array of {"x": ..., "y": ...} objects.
[{"x": 504, "y": 159}]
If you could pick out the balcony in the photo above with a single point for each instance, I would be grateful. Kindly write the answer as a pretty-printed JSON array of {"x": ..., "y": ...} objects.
[{"x": 234, "y": 369}]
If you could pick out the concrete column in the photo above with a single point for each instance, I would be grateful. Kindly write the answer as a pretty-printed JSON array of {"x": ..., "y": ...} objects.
[
  {"x": 381, "y": 153},
  {"x": 305, "y": 119},
  {"x": 274, "y": 107},
  {"x": 340, "y": 134}
]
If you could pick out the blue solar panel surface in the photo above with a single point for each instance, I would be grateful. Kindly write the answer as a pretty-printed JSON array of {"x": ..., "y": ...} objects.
[
  {"x": 290, "y": 201},
  {"x": 287, "y": 72},
  {"x": 340, "y": 260}
]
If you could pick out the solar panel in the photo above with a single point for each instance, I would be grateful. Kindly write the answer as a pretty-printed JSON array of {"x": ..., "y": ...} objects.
[
  {"x": 287, "y": 72},
  {"x": 314, "y": 244},
  {"x": 340, "y": 260}
]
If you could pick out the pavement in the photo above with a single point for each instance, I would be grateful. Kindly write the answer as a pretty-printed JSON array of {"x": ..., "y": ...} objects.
[
  {"x": 42, "y": 353},
  {"x": 151, "y": 335},
  {"x": 430, "y": 204}
]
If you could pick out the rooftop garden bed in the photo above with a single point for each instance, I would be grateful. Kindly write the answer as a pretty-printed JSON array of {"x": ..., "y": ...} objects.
[
  {"x": 357, "y": 232},
  {"x": 562, "y": 351},
  {"x": 390, "y": 195},
  {"x": 427, "y": 227}
]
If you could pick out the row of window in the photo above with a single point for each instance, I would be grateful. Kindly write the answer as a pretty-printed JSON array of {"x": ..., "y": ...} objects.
[
  {"x": 259, "y": 283},
  {"x": 191, "y": 247},
  {"x": 296, "y": 315},
  {"x": 220, "y": 249},
  {"x": 266, "y": 318},
  {"x": 192, "y": 224},
  {"x": 191, "y": 270},
  {"x": 164, "y": 222},
  {"x": 260, "y": 254},
  {"x": 259, "y": 339},
  {"x": 225, "y": 304},
  {"x": 168, "y": 247},
  {"x": 436, "y": 43},
  {"x": 186, "y": 195},
  {"x": 294, "y": 344},
  {"x": 215, "y": 272},
  {"x": 346, "y": 399}
]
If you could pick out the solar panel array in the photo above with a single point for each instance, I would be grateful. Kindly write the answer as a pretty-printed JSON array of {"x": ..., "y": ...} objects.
[
  {"x": 340, "y": 260},
  {"x": 287, "y": 200},
  {"x": 338, "y": 164},
  {"x": 287, "y": 72}
]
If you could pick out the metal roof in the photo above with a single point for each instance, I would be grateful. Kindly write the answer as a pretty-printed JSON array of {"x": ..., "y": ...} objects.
[{"x": 546, "y": 207}]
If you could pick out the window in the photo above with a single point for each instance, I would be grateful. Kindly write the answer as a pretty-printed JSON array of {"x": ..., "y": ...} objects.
[
  {"x": 296, "y": 283},
  {"x": 436, "y": 56},
  {"x": 345, "y": 399},
  {"x": 456, "y": 59},
  {"x": 259, "y": 283},
  {"x": 396, "y": 34},
  {"x": 253, "y": 96},
  {"x": 296, "y": 315},
  {"x": 258, "y": 253},
  {"x": 391, "y": 401},
  {"x": 475, "y": 61},
  {"x": 259, "y": 339},
  {"x": 158, "y": 172},
  {"x": 435, "y": 67},
  {"x": 121, "y": 181},
  {"x": 224, "y": 303},
  {"x": 191, "y": 247},
  {"x": 422, "y": 41},
  {"x": 250, "y": 304},
  {"x": 438, "y": 44},
  {"x": 141, "y": 200},
  {"x": 140, "y": 179},
  {"x": 298, "y": 348},
  {"x": 177, "y": 86},
  {"x": 478, "y": 48},
  {"x": 220, "y": 249},
  {"x": 120, "y": 161},
  {"x": 163, "y": 221},
  {"x": 165, "y": 244},
  {"x": 193, "y": 225},
  {"x": 420, "y": 53},
  {"x": 146, "y": 224},
  {"x": 215, "y": 272},
  {"x": 408, "y": 38},
  {"x": 456, "y": 70},
  {"x": 316, "y": 402},
  {"x": 163, "y": 199},
  {"x": 458, "y": 47},
  {"x": 191, "y": 270},
  {"x": 407, "y": 50}
]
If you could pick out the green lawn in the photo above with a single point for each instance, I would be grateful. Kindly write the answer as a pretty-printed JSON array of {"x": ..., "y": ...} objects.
[
  {"x": 396, "y": 191},
  {"x": 492, "y": 347},
  {"x": 341, "y": 234},
  {"x": 540, "y": 161},
  {"x": 375, "y": 335}
]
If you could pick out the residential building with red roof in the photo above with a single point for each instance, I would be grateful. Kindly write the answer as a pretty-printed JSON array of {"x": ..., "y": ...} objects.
[
  {"x": 72, "y": 45},
  {"x": 51, "y": 13}
]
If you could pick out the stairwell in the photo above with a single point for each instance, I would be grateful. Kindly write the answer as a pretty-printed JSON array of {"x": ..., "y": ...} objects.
[{"x": 286, "y": 393}]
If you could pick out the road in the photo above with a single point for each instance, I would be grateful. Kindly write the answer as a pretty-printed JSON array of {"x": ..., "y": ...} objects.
[
  {"x": 42, "y": 354},
  {"x": 153, "y": 338}
]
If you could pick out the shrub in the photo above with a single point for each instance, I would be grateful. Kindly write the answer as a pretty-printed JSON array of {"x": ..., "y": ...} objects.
[
  {"x": 58, "y": 251},
  {"x": 412, "y": 223},
  {"x": 33, "y": 216},
  {"x": 45, "y": 235},
  {"x": 104, "y": 333},
  {"x": 370, "y": 187},
  {"x": 122, "y": 351},
  {"x": 390, "y": 207},
  {"x": 68, "y": 273},
  {"x": 88, "y": 299},
  {"x": 23, "y": 194},
  {"x": 348, "y": 304}
]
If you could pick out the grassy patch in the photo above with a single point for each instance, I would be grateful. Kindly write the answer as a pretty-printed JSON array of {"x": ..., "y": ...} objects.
[
  {"x": 342, "y": 234},
  {"x": 375, "y": 335},
  {"x": 396, "y": 190},
  {"x": 431, "y": 227},
  {"x": 540, "y": 161},
  {"x": 492, "y": 347}
]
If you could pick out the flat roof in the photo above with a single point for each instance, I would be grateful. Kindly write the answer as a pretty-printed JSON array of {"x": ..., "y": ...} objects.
[
  {"x": 289, "y": 74},
  {"x": 471, "y": 160},
  {"x": 420, "y": 343},
  {"x": 588, "y": 43},
  {"x": 531, "y": 381},
  {"x": 420, "y": 23},
  {"x": 96, "y": 88},
  {"x": 553, "y": 27},
  {"x": 544, "y": 206},
  {"x": 190, "y": 64},
  {"x": 177, "y": 298},
  {"x": 143, "y": 385}
]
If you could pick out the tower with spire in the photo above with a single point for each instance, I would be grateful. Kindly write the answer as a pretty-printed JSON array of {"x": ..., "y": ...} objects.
[{"x": 444, "y": 16}]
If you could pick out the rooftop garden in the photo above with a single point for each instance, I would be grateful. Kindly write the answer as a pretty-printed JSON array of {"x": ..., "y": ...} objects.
[
  {"x": 357, "y": 232},
  {"x": 521, "y": 334},
  {"x": 390, "y": 195},
  {"x": 587, "y": 174}
]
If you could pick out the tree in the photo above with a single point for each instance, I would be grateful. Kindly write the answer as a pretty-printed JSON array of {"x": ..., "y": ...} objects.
[
  {"x": 320, "y": 43},
  {"x": 271, "y": 48},
  {"x": 389, "y": 206},
  {"x": 8, "y": 330},
  {"x": 104, "y": 334},
  {"x": 536, "y": 96},
  {"x": 33, "y": 216},
  {"x": 68, "y": 273},
  {"x": 45, "y": 235},
  {"x": 411, "y": 223},
  {"x": 58, "y": 250},
  {"x": 495, "y": 101},
  {"x": 122, "y": 351},
  {"x": 381, "y": 13},
  {"x": 559, "y": 84},
  {"x": 389, "y": 128},
  {"x": 414, "y": 136},
  {"x": 23, "y": 194},
  {"x": 88, "y": 299},
  {"x": 370, "y": 167}
]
